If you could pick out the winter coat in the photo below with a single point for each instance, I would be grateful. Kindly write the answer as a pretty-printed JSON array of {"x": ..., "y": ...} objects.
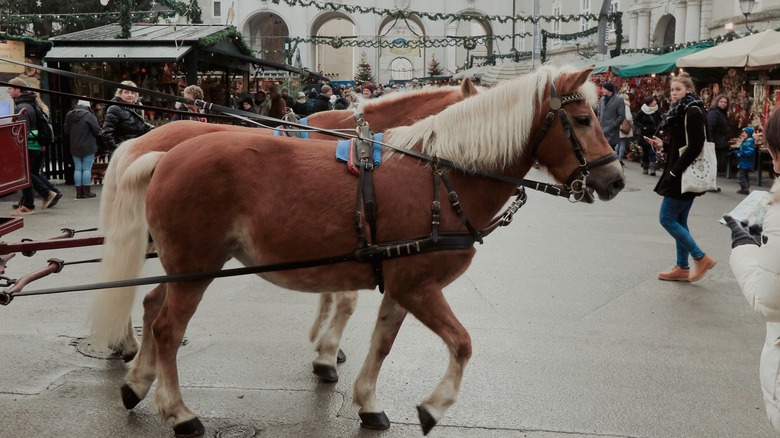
[
  {"x": 747, "y": 151},
  {"x": 719, "y": 127},
  {"x": 321, "y": 104},
  {"x": 122, "y": 123},
  {"x": 612, "y": 111},
  {"x": 646, "y": 125},
  {"x": 669, "y": 185},
  {"x": 83, "y": 130},
  {"x": 26, "y": 101},
  {"x": 757, "y": 270},
  {"x": 630, "y": 119}
]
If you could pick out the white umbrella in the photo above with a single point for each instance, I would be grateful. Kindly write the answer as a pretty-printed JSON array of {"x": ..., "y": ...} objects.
[
  {"x": 507, "y": 70},
  {"x": 735, "y": 53},
  {"x": 765, "y": 57}
]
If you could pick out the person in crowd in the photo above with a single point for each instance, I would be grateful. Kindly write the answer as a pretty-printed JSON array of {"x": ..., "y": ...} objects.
[
  {"x": 755, "y": 261},
  {"x": 25, "y": 103},
  {"x": 248, "y": 104},
  {"x": 747, "y": 158},
  {"x": 288, "y": 100},
  {"x": 368, "y": 90},
  {"x": 262, "y": 103},
  {"x": 686, "y": 114},
  {"x": 341, "y": 103},
  {"x": 299, "y": 105},
  {"x": 123, "y": 123},
  {"x": 83, "y": 130},
  {"x": 646, "y": 123},
  {"x": 308, "y": 106},
  {"x": 323, "y": 99},
  {"x": 625, "y": 138},
  {"x": 192, "y": 92},
  {"x": 278, "y": 106},
  {"x": 717, "y": 119},
  {"x": 612, "y": 111}
]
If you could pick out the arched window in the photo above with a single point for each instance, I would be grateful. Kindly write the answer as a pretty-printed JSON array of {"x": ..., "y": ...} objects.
[{"x": 400, "y": 69}]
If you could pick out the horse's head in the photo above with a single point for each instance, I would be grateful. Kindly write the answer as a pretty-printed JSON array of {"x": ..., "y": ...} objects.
[{"x": 569, "y": 141}]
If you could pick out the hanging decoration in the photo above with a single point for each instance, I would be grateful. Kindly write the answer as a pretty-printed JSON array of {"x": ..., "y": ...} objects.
[{"x": 665, "y": 49}]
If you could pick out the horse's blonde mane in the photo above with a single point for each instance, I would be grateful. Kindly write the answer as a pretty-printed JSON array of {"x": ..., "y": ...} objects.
[{"x": 489, "y": 130}]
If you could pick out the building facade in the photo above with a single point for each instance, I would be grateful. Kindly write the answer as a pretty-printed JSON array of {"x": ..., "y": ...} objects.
[{"x": 285, "y": 32}]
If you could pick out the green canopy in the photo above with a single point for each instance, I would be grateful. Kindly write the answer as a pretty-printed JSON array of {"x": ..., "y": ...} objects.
[
  {"x": 621, "y": 61},
  {"x": 661, "y": 63}
]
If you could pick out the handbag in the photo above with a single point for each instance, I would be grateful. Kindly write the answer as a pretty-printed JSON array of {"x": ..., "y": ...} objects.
[
  {"x": 625, "y": 126},
  {"x": 702, "y": 173}
]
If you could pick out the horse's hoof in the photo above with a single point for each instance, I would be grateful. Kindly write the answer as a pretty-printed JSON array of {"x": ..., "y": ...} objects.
[
  {"x": 374, "y": 420},
  {"x": 327, "y": 374},
  {"x": 426, "y": 420},
  {"x": 341, "y": 357},
  {"x": 129, "y": 398},
  {"x": 189, "y": 428}
]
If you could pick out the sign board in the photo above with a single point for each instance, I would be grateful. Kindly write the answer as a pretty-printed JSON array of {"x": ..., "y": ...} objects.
[{"x": 12, "y": 50}]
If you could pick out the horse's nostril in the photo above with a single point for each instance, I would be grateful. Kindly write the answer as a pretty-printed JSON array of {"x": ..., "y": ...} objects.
[{"x": 619, "y": 184}]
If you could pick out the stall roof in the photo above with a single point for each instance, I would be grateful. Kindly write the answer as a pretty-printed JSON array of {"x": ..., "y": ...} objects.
[
  {"x": 156, "y": 42},
  {"x": 661, "y": 63}
]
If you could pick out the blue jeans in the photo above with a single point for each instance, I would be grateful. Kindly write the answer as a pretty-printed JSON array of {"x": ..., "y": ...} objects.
[
  {"x": 622, "y": 148},
  {"x": 674, "y": 219},
  {"x": 82, "y": 169}
]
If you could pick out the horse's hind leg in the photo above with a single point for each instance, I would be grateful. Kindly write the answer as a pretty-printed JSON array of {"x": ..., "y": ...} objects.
[
  {"x": 128, "y": 346},
  {"x": 433, "y": 311},
  {"x": 143, "y": 370},
  {"x": 181, "y": 301},
  {"x": 327, "y": 342},
  {"x": 388, "y": 323}
]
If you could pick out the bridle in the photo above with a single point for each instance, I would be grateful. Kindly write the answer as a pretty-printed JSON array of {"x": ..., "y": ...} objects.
[{"x": 577, "y": 181}]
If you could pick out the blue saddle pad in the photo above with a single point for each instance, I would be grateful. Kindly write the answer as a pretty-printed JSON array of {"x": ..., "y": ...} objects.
[
  {"x": 304, "y": 134},
  {"x": 342, "y": 150}
]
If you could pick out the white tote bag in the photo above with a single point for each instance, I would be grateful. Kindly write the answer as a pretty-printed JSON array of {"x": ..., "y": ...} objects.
[{"x": 702, "y": 174}]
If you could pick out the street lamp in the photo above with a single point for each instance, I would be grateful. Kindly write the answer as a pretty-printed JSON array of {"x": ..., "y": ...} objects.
[{"x": 746, "y": 6}]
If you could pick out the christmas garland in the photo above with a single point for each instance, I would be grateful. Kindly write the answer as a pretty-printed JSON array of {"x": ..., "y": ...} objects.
[
  {"x": 665, "y": 49},
  {"x": 230, "y": 32},
  {"x": 396, "y": 13},
  {"x": 192, "y": 12},
  {"x": 29, "y": 41}
]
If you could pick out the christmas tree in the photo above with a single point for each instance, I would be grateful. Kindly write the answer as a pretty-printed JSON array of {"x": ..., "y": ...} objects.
[
  {"x": 363, "y": 74},
  {"x": 434, "y": 69}
]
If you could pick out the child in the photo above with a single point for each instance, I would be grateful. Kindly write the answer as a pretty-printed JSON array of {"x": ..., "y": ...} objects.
[{"x": 746, "y": 154}]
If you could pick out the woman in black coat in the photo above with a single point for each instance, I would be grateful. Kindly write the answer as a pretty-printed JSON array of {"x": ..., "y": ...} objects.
[
  {"x": 646, "y": 123},
  {"x": 717, "y": 119},
  {"x": 684, "y": 124},
  {"x": 123, "y": 123},
  {"x": 83, "y": 131}
]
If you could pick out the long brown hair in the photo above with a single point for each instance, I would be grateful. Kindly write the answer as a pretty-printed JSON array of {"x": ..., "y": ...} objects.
[
  {"x": 20, "y": 82},
  {"x": 772, "y": 132}
]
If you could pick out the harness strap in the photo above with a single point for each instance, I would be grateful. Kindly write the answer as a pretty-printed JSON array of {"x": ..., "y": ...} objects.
[
  {"x": 436, "y": 205},
  {"x": 455, "y": 202}
]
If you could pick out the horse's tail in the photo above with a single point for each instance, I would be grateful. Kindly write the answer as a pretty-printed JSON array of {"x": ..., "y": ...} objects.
[
  {"x": 110, "y": 181},
  {"x": 123, "y": 252}
]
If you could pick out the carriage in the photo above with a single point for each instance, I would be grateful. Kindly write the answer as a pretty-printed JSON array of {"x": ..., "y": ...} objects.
[{"x": 406, "y": 225}]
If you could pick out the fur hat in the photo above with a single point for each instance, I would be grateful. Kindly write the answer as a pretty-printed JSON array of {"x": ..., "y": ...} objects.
[{"x": 608, "y": 86}]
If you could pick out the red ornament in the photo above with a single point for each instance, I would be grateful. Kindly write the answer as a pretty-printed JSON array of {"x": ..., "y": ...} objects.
[{"x": 143, "y": 69}]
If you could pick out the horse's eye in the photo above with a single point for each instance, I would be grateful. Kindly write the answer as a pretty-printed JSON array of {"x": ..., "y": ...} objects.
[{"x": 582, "y": 120}]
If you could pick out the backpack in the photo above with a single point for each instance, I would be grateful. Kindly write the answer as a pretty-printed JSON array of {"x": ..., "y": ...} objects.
[{"x": 43, "y": 125}]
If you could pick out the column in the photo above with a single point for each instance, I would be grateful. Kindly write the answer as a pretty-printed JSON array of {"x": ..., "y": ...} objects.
[
  {"x": 693, "y": 21},
  {"x": 679, "y": 23},
  {"x": 706, "y": 17},
  {"x": 632, "y": 30},
  {"x": 643, "y": 30}
]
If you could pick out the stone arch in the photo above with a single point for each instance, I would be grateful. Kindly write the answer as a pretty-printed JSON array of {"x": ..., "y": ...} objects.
[
  {"x": 337, "y": 63},
  {"x": 266, "y": 32},
  {"x": 401, "y": 29},
  {"x": 459, "y": 56},
  {"x": 664, "y": 31},
  {"x": 401, "y": 68}
]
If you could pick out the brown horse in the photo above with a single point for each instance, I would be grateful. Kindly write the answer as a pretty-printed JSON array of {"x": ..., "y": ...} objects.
[
  {"x": 188, "y": 200},
  {"x": 398, "y": 109}
]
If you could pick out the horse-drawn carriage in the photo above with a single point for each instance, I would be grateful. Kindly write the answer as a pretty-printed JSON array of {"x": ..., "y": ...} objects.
[{"x": 291, "y": 213}]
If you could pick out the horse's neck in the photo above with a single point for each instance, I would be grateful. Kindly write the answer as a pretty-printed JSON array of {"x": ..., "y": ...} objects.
[
  {"x": 404, "y": 112},
  {"x": 333, "y": 119}
]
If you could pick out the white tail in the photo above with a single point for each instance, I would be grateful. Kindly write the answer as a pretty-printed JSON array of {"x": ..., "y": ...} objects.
[{"x": 123, "y": 251}]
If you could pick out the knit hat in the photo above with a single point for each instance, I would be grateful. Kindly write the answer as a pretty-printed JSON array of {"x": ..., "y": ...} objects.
[
  {"x": 369, "y": 85},
  {"x": 609, "y": 86},
  {"x": 83, "y": 103},
  {"x": 313, "y": 94},
  {"x": 248, "y": 100},
  {"x": 749, "y": 130},
  {"x": 301, "y": 94}
]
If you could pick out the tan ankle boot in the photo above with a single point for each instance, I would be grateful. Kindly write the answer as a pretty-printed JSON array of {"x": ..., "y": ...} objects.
[
  {"x": 701, "y": 266},
  {"x": 675, "y": 274}
]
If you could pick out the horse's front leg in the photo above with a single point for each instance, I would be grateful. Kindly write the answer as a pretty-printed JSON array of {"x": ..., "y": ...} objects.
[
  {"x": 328, "y": 341},
  {"x": 181, "y": 301},
  {"x": 143, "y": 370},
  {"x": 388, "y": 323},
  {"x": 430, "y": 307}
]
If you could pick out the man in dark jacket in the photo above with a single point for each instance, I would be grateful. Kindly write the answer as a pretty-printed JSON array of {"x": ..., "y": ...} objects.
[
  {"x": 719, "y": 129},
  {"x": 612, "y": 111},
  {"x": 323, "y": 99},
  {"x": 83, "y": 131}
]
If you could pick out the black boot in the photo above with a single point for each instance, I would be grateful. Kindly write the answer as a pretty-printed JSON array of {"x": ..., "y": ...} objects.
[
  {"x": 79, "y": 192},
  {"x": 86, "y": 193}
]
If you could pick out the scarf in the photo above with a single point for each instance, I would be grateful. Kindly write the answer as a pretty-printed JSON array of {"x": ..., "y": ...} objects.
[
  {"x": 649, "y": 110},
  {"x": 676, "y": 113}
]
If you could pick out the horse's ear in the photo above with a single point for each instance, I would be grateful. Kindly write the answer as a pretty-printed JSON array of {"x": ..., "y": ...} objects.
[
  {"x": 467, "y": 87},
  {"x": 574, "y": 80}
]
